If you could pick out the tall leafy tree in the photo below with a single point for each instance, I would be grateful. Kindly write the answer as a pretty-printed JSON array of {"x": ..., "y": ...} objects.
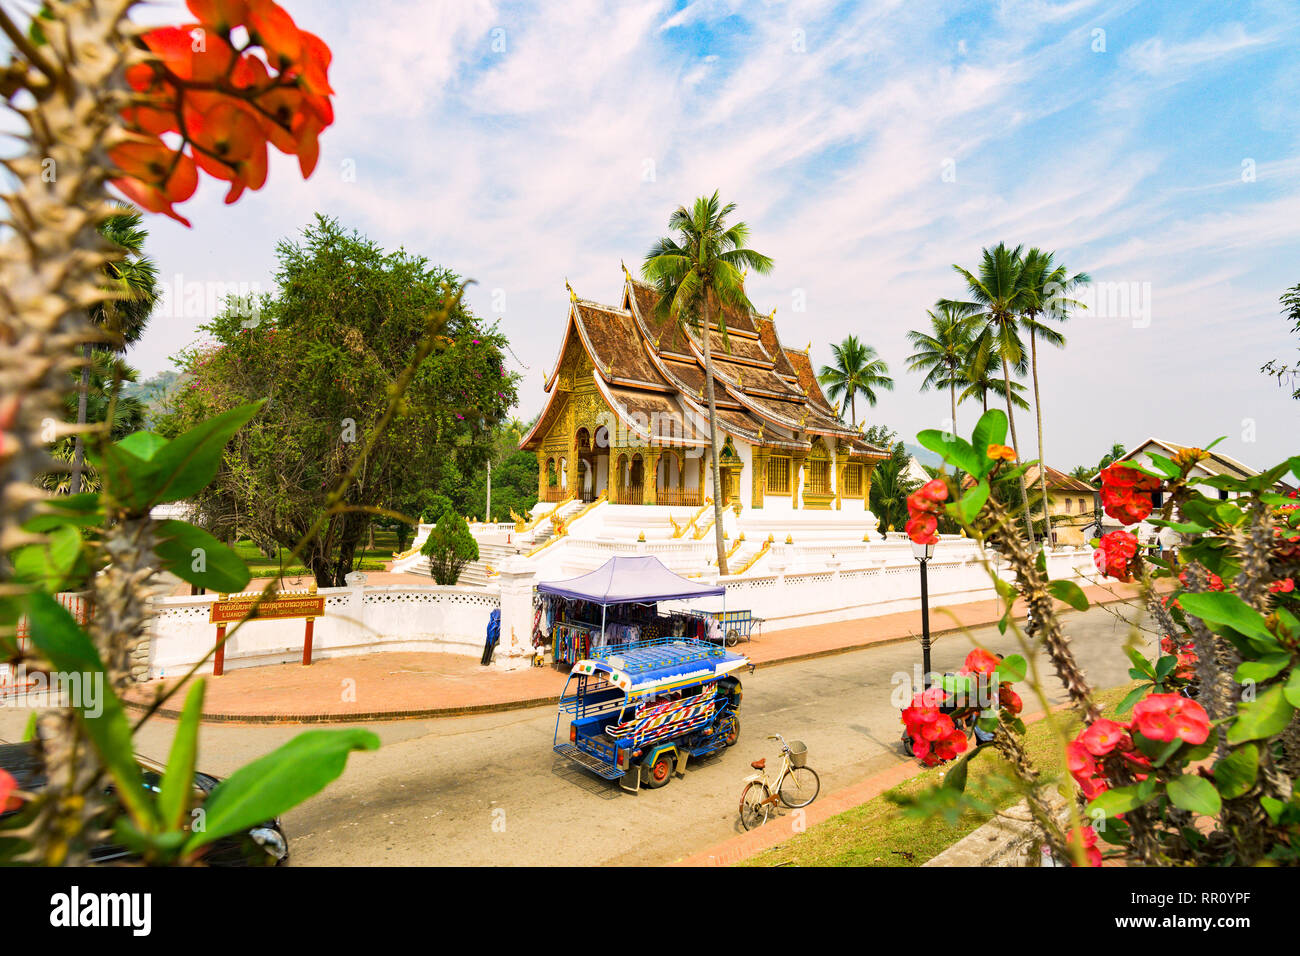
[
  {"x": 699, "y": 275},
  {"x": 942, "y": 352},
  {"x": 344, "y": 322},
  {"x": 857, "y": 370},
  {"x": 133, "y": 280},
  {"x": 1048, "y": 287},
  {"x": 997, "y": 296}
]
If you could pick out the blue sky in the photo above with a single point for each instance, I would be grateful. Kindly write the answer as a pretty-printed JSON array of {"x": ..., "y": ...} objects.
[{"x": 1153, "y": 145}]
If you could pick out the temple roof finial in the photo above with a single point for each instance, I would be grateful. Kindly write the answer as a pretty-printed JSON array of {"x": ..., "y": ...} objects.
[
  {"x": 626, "y": 275},
  {"x": 573, "y": 296}
]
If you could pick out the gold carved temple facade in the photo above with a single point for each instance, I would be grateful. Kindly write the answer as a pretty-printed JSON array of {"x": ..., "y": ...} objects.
[{"x": 627, "y": 418}]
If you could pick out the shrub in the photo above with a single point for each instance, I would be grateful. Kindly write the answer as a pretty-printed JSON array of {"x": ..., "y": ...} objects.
[{"x": 449, "y": 547}]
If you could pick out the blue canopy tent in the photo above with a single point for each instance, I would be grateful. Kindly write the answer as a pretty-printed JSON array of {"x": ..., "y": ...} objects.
[{"x": 631, "y": 580}]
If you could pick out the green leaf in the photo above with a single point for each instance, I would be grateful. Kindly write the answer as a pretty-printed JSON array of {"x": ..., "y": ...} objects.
[
  {"x": 970, "y": 503},
  {"x": 1131, "y": 698},
  {"x": 1270, "y": 665},
  {"x": 1235, "y": 774},
  {"x": 1165, "y": 465},
  {"x": 1194, "y": 794},
  {"x": 1291, "y": 690},
  {"x": 1266, "y": 715},
  {"x": 991, "y": 429},
  {"x": 1165, "y": 666},
  {"x": 50, "y": 565},
  {"x": 1119, "y": 800},
  {"x": 143, "y": 444},
  {"x": 282, "y": 779},
  {"x": 178, "y": 781},
  {"x": 1220, "y": 609},
  {"x": 175, "y": 470},
  {"x": 1011, "y": 669},
  {"x": 215, "y": 567},
  {"x": 1140, "y": 663},
  {"x": 71, "y": 654},
  {"x": 1070, "y": 593},
  {"x": 952, "y": 449}
]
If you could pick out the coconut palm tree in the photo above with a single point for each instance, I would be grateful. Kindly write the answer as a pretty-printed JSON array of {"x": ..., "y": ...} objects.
[
  {"x": 698, "y": 275},
  {"x": 133, "y": 279},
  {"x": 941, "y": 353},
  {"x": 980, "y": 382},
  {"x": 998, "y": 296},
  {"x": 858, "y": 370},
  {"x": 1049, "y": 285}
]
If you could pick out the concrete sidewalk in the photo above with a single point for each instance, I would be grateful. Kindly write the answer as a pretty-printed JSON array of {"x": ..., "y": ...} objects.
[{"x": 404, "y": 685}]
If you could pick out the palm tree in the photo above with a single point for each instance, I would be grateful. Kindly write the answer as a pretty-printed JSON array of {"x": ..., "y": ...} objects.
[
  {"x": 941, "y": 353},
  {"x": 102, "y": 396},
  {"x": 979, "y": 383},
  {"x": 997, "y": 298},
  {"x": 134, "y": 281},
  {"x": 697, "y": 276},
  {"x": 858, "y": 370},
  {"x": 890, "y": 487},
  {"x": 1116, "y": 452},
  {"x": 1048, "y": 284}
]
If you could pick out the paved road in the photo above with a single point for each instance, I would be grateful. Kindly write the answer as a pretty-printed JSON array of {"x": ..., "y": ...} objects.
[{"x": 487, "y": 789}]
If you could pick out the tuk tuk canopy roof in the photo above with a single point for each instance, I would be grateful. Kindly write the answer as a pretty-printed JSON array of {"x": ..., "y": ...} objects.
[{"x": 630, "y": 580}]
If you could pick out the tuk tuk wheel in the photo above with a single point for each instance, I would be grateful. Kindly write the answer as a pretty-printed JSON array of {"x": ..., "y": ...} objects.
[
  {"x": 733, "y": 637},
  {"x": 661, "y": 771},
  {"x": 730, "y": 730}
]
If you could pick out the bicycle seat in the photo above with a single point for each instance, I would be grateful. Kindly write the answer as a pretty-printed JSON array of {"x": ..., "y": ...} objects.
[{"x": 759, "y": 764}]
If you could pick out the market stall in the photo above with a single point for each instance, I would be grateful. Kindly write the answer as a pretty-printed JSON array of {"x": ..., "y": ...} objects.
[{"x": 617, "y": 604}]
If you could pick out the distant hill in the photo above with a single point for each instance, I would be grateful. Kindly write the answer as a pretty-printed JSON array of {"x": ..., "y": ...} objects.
[{"x": 923, "y": 455}]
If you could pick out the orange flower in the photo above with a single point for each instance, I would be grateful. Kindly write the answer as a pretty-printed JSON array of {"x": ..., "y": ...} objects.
[
  {"x": 274, "y": 31},
  {"x": 219, "y": 14},
  {"x": 1002, "y": 453},
  {"x": 155, "y": 176}
]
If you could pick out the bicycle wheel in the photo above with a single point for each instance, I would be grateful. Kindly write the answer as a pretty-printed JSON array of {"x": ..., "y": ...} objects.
[
  {"x": 754, "y": 805},
  {"x": 800, "y": 787}
]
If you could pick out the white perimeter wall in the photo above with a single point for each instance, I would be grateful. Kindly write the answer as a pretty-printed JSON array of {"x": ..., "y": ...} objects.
[{"x": 358, "y": 620}]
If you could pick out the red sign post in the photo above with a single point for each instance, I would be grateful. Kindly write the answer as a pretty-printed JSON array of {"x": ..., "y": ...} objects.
[{"x": 226, "y": 609}]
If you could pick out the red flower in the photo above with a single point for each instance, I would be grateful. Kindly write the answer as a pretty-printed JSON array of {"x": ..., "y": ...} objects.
[
  {"x": 1086, "y": 837},
  {"x": 7, "y": 786},
  {"x": 1169, "y": 717},
  {"x": 1114, "y": 552},
  {"x": 1102, "y": 737},
  {"x": 1125, "y": 492},
  {"x": 922, "y": 528},
  {"x": 1009, "y": 699},
  {"x": 1285, "y": 586},
  {"x": 980, "y": 661}
]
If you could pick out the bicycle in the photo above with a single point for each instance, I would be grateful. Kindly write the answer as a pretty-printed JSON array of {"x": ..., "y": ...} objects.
[{"x": 796, "y": 786}]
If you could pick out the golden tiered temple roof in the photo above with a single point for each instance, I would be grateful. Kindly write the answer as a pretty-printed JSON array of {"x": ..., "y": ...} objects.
[{"x": 765, "y": 393}]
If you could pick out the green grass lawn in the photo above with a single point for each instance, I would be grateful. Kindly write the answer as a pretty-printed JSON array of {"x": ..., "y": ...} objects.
[
  {"x": 370, "y": 559},
  {"x": 877, "y": 833}
]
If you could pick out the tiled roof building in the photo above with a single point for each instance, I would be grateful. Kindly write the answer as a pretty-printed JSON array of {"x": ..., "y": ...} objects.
[{"x": 627, "y": 415}]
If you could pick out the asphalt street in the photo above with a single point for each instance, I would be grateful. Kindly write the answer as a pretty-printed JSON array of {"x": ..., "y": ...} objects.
[{"x": 487, "y": 789}]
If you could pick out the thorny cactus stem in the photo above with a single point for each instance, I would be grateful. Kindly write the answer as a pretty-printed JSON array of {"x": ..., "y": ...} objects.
[
  {"x": 1033, "y": 585},
  {"x": 67, "y": 93}
]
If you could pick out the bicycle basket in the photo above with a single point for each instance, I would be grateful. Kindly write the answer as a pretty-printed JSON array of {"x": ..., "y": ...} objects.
[{"x": 798, "y": 753}]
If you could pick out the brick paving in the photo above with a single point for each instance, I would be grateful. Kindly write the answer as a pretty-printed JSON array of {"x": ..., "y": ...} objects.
[{"x": 398, "y": 685}]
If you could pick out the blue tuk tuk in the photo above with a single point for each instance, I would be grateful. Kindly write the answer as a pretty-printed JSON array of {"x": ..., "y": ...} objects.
[{"x": 639, "y": 711}]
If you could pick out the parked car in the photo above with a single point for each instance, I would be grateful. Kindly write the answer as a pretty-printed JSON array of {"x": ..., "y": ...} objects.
[{"x": 262, "y": 845}]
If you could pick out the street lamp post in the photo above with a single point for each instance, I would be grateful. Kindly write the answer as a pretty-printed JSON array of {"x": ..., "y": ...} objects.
[{"x": 923, "y": 553}]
